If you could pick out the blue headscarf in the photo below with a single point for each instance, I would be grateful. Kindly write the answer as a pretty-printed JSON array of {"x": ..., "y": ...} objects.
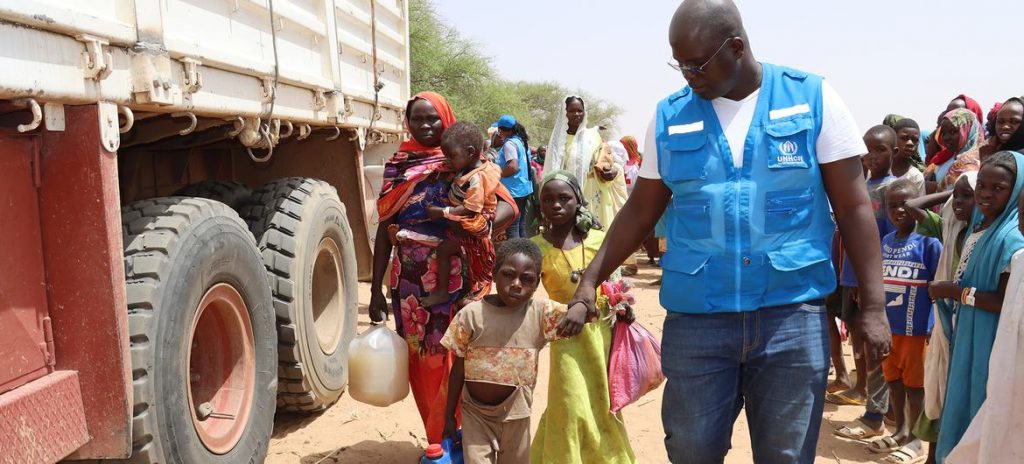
[
  {"x": 1002, "y": 239},
  {"x": 975, "y": 329}
]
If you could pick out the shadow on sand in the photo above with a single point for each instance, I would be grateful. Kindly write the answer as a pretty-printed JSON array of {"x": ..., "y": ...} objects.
[{"x": 367, "y": 452}]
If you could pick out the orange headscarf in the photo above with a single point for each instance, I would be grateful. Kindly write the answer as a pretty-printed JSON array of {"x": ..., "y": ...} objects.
[
  {"x": 632, "y": 149},
  {"x": 444, "y": 110},
  {"x": 413, "y": 162}
]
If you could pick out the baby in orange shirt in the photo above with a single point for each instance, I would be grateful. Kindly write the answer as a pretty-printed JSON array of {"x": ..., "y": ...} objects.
[{"x": 474, "y": 201}]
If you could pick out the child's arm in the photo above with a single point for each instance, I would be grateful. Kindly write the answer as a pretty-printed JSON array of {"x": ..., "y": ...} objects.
[
  {"x": 472, "y": 204},
  {"x": 456, "y": 379},
  {"x": 993, "y": 301},
  {"x": 456, "y": 339},
  {"x": 986, "y": 301},
  {"x": 437, "y": 212},
  {"x": 917, "y": 206}
]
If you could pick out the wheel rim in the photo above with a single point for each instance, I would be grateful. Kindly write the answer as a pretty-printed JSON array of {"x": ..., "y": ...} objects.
[
  {"x": 327, "y": 295},
  {"x": 222, "y": 368}
]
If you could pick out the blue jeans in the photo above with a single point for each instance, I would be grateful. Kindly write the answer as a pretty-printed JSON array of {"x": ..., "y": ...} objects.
[
  {"x": 773, "y": 360},
  {"x": 518, "y": 227}
]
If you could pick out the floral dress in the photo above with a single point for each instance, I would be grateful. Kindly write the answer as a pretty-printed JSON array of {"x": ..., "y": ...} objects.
[
  {"x": 414, "y": 275},
  {"x": 414, "y": 270}
]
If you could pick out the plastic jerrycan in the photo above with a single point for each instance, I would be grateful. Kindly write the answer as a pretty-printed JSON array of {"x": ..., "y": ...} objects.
[
  {"x": 435, "y": 455},
  {"x": 378, "y": 363},
  {"x": 453, "y": 448}
]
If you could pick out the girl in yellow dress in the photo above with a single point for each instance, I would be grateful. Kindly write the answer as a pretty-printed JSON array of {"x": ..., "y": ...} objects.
[{"x": 577, "y": 426}]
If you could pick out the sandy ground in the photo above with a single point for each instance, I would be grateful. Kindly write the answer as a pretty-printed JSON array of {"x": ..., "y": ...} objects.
[{"x": 351, "y": 432}]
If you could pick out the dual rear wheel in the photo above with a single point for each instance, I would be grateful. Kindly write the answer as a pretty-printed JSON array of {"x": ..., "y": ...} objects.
[{"x": 226, "y": 314}]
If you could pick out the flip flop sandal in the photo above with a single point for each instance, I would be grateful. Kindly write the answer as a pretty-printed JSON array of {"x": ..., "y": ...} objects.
[
  {"x": 836, "y": 387},
  {"x": 884, "y": 445},
  {"x": 905, "y": 455},
  {"x": 842, "y": 399},
  {"x": 859, "y": 432}
]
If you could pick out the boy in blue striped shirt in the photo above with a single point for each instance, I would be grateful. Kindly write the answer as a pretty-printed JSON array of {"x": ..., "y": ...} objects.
[{"x": 909, "y": 261}]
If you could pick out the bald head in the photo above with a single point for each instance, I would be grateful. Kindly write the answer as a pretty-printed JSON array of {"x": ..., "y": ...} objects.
[
  {"x": 707, "y": 20},
  {"x": 710, "y": 45}
]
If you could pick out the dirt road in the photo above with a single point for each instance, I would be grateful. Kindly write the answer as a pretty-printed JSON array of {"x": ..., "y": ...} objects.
[{"x": 352, "y": 432}]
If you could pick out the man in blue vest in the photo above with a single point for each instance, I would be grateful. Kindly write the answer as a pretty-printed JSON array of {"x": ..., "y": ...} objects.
[{"x": 749, "y": 156}]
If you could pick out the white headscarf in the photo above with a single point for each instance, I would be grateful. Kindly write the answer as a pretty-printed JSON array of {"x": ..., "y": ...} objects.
[
  {"x": 951, "y": 228},
  {"x": 581, "y": 154},
  {"x": 936, "y": 360}
]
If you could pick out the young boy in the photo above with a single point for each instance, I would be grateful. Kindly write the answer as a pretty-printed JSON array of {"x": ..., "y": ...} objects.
[
  {"x": 496, "y": 342},
  {"x": 870, "y": 389},
  {"x": 909, "y": 263},
  {"x": 908, "y": 137},
  {"x": 473, "y": 202}
]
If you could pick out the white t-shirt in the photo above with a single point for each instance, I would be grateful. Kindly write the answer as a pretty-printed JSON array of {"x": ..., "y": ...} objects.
[
  {"x": 840, "y": 138},
  {"x": 915, "y": 176},
  {"x": 510, "y": 152}
]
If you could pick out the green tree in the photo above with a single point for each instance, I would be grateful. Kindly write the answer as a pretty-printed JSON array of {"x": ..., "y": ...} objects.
[
  {"x": 441, "y": 60},
  {"x": 445, "y": 62}
]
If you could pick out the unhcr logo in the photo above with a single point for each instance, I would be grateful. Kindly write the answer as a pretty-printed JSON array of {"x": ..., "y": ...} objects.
[{"x": 788, "y": 147}]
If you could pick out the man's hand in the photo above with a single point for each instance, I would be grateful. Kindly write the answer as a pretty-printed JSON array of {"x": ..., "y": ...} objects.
[
  {"x": 378, "y": 308},
  {"x": 844, "y": 182},
  {"x": 573, "y": 321},
  {"x": 628, "y": 315},
  {"x": 435, "y": 212},
  {"x": 874, "y": 326}
]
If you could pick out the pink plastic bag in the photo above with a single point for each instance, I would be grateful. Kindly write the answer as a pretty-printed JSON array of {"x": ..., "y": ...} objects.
[{"x": 635, "y": 365}]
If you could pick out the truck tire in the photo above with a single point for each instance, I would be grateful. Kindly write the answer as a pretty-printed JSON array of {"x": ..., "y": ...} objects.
[
  {"x": 303, "y": 233},
  {"x": 230, "y": 193},
  {"x": 202, "y": 335}
]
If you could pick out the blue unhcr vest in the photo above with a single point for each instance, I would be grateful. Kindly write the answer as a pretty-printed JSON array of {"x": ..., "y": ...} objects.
[
  {"x": 744, "y": 238},
  {"x": 518, "y": 185}
]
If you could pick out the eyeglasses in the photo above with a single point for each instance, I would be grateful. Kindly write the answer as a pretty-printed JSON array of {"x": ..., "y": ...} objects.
[{"x": 698, "y": 69}]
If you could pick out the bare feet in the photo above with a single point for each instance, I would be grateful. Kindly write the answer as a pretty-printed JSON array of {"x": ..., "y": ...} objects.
[
  {"x": 837, "y": 385},
  {"x": 890, "y": 418},
  {"x": 434, "y": 298}
]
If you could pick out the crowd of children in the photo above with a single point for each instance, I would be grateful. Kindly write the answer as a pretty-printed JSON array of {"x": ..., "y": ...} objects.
[
  {"x": 949, "y": 226},
  {"x": 948, "y": 233}
]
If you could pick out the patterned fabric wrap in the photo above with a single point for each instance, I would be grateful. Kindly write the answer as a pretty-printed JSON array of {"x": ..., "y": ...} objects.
[
  {"x": 413, "y": 162},
  {"x": 967, "y": 123}
]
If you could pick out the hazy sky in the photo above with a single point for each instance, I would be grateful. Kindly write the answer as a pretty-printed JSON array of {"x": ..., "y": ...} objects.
[{"x": 893, "y": 56}]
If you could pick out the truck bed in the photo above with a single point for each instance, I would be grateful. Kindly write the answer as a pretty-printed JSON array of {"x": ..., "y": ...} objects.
[{"x": 303, "y": 61}]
